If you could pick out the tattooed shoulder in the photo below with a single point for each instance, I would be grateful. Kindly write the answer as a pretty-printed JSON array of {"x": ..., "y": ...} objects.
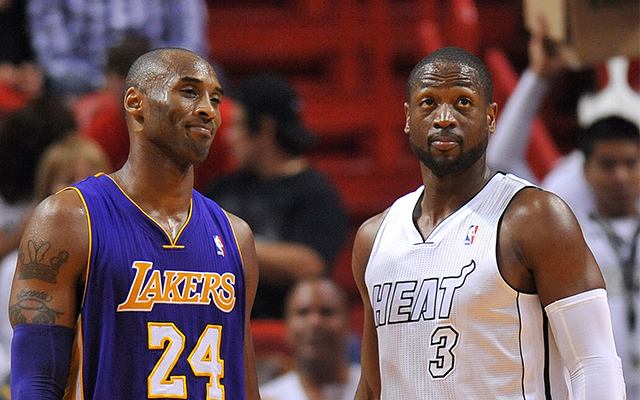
[{"x": 35, "y": 265}]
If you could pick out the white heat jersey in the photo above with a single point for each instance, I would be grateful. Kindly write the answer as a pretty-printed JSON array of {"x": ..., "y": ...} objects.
[{"x": 448, "y": 325}]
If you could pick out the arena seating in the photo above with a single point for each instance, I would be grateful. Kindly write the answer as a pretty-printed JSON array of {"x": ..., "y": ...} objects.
[{"x": 350, "y": 59}]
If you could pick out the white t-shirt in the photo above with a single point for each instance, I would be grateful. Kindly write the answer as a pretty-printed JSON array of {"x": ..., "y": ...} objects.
[
  {"x": 288, "y": 387},
  {"x": 627, "y": 344},
  {"x": 12, "y": 215}
]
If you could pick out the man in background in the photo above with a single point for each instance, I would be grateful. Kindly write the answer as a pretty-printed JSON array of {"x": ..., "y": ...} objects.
[
  {"x": 297, "y": 217},
  {"x": 318, "y": 326}
]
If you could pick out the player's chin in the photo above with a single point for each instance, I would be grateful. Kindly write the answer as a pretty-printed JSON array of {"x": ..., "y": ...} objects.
[{"x": 200, "y": 153}]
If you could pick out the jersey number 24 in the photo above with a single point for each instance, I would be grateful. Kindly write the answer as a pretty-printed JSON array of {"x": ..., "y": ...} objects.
[{"x": 204, "y": 360}]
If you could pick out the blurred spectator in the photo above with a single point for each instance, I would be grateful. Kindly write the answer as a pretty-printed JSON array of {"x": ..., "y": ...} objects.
[
  {"x": 71, "y": 37},
  {"x": 600, "y": 181},
  {"x": 64, "y": 162},
  {"x": 20, "y": 77},
  {"x": 298, "y": 220},
  {"x": 100, "y": 114},
  {"x": 507, "y": 147},
  {"x": 16, "y": 47},
  {"x": 25, "y": 135},
  {"x": 611, "y": 148},
  {"x": 318, "y": 327}
]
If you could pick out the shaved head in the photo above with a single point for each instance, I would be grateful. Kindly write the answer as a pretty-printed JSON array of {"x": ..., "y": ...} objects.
[
  {"x": 455, "y": 55},
  {"x": 153, "y": 65}
]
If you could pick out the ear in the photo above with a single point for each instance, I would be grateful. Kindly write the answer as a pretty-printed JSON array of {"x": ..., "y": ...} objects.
[
  {"x": 133, "y": 100},
  {"x": 407, "y": 118},
  {"x": 492, "y": 112}
]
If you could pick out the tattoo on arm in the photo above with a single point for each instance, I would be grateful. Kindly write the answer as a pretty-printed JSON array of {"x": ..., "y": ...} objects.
[
  {"x": 33, "y": 265},
  {"x": 31, "y": 306}
]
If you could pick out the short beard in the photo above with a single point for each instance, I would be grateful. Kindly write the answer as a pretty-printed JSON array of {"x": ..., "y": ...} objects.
[{"x": 445, "y": 165}]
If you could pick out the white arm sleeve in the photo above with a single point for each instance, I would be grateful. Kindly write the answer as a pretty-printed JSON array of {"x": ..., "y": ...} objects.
[
  {"x": 581, "y": 325},
  {"x": 507, "y": 149}
]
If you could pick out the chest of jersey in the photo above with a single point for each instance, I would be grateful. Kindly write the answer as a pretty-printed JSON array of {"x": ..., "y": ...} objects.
[
  {"x": 448, "y": 325},
  {"x": 160, "y": 317}
]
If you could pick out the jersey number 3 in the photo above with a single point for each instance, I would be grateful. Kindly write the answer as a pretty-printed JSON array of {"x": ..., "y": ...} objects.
[
  {"x": 204, "y": 360},
  {"x": 444, "y": 339}
]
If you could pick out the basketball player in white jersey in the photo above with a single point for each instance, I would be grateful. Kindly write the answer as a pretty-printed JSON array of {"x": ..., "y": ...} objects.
[{"x": 478, "y": 285}]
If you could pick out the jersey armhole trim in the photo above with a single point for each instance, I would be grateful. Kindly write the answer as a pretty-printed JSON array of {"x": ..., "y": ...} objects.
[
  {"x": 498, "y": 240},
  {"x": 90, "y": 250}
]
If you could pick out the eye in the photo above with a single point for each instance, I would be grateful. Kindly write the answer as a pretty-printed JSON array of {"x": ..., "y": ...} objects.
[
  {"x": 215, "y": 100},
  {"x": 465, "y": 102},
  {"x": 429, "y": 102},
  {"x": 189, "y": 91},
  {"x": 607, "y": 165}
]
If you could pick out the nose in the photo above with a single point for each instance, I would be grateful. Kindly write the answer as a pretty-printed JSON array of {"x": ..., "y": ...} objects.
[
  {"x": 205, "y": 108},
  {"x": 623, "y": 174},
  {"x": 444, "y": 117},
  {"x": 315, "y": 319}
]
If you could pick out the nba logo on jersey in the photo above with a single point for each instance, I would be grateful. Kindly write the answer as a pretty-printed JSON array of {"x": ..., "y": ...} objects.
[
  {"x": 471, "y": 234},
  {"x": 219, "y": 245}
]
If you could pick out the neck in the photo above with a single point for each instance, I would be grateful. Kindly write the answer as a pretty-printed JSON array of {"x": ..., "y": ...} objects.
[
  {"x": 317, "y": 373},
  {"x": 618, "y": 212},
  {"x": 445, "y": 195},
  {"x": 163, "y": 193}
]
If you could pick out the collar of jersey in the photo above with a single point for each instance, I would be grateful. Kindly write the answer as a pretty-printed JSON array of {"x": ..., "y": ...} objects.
[{"x": 172, "y": 242}]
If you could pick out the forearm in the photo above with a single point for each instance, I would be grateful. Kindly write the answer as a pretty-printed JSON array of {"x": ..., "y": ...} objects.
[
  {"x": 250, "y": 373},
  {"x": 508, "y": 145},
  {"x": 364, "y": 392},
  {"x": 287, "y": 261},
  {"x": 581, "y": 325},
  {"x": 40, "y": 361}
]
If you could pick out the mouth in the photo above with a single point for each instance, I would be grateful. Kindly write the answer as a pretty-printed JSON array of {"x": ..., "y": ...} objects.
[
  {"x": 199, "y": 129},
  {"x": 444, "y": 143}
]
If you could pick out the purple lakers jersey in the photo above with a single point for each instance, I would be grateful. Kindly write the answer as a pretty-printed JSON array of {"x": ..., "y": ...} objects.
[{"x": 160, "y": 317}]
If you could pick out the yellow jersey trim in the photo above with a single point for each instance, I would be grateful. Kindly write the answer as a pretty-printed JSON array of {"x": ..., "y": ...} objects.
[
  {"x": 172, "y": 242},
  {"x": 86, "y": 209}
]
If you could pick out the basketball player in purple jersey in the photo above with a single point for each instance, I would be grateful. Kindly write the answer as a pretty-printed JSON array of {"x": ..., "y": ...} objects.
[{"x": 133, "y": 285}]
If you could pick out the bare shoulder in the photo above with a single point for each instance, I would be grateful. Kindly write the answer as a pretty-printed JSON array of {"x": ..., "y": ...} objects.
[
  {"x": 531, "y": 204},
  {"x": 244, "y": 235},
  {"x": 542, "y": 250},
  {"x": 53, "y": 256},
  {"x": 363, "y": 244},
  {"x": 540, "y": 218},
  {"x": 240, "y": 228},
  {"x": 61, "y": 219}
]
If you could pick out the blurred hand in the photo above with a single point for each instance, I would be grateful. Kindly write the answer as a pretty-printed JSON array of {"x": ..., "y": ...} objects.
[{"x": 544, "y": 57}]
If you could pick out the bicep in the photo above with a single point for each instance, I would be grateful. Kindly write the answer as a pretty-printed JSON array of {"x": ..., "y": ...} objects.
[
  {"x": 550, "y": 246},
  {"x": 250, "y": 268},
  {"x": 246, "y": 245},
  {"x": 369, "y": 386},
  {"x": 52, "y": 258}
]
